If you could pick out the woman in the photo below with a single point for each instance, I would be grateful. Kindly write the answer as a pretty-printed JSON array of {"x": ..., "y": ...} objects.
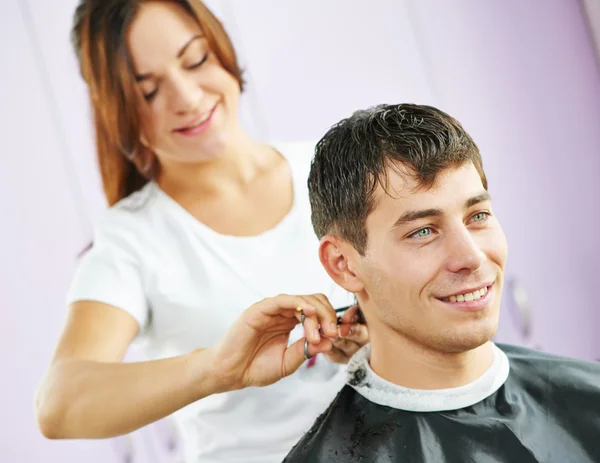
[{"x": 204, "y": 221}]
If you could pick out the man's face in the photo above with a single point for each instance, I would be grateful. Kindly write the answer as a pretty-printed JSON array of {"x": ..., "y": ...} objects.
[{"x": 433, "y": 267}]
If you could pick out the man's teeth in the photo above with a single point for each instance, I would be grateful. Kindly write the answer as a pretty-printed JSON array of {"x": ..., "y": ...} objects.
[{"x": 467, "y": 297}]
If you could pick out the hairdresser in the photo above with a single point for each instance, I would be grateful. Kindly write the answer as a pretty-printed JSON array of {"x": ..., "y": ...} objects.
[{"x": 205, "y": 227}]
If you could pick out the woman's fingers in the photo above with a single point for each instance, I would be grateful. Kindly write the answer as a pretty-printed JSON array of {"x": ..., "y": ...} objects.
[
  {"x": 311, "y": 327},
  {"x": 357, "y": 333},
  {"x": 293, "y": 356},
  {"x": 351, "y": 315},
  {"x": 352, "y": 338},
  {"x": 318, "y": 314},
  {"x": 326, "y": 316}
]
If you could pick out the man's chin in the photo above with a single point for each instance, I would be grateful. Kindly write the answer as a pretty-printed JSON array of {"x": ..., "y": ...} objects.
[
  {"x": 464, "y": 342},
  {"x": 468, "y": 338}
]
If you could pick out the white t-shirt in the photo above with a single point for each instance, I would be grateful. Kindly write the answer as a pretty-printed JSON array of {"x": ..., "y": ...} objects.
[{"x": 186, "y": 284}]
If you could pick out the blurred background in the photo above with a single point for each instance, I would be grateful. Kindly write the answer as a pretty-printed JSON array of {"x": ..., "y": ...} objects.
[{"x": 522, "y": 76}]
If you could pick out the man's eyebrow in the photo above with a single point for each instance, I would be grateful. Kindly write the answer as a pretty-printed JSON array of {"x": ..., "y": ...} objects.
[
  {"x": 142, "y": 77},
  {"x": 411, "y": 216},
  {"x": 480, "y": 198}
]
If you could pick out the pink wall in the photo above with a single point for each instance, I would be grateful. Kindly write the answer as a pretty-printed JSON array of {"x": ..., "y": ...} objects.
[
  {"x": 529, "y": 90},
  {"x": 523, "y": 80},
  {"x": 40, "y": 233}
]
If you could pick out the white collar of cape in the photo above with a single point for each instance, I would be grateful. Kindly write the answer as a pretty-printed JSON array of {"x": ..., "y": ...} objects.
[{"x": 382, "y": 392}]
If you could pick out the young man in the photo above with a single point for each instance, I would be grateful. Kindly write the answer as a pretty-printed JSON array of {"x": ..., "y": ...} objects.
[{"x": 400, "y": 202}]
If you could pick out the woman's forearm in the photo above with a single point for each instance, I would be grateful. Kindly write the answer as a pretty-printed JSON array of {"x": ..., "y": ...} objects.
[{"x": 88, "y": 399}]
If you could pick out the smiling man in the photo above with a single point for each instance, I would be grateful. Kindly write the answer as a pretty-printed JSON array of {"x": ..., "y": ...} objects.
[{"x": 400, "y": 202}]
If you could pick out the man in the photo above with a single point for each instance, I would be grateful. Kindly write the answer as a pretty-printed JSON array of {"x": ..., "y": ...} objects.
[{"x": 400, "y": 202}]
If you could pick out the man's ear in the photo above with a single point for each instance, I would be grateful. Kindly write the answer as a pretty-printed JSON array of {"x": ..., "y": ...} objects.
[{"x": 340, "y": 260}]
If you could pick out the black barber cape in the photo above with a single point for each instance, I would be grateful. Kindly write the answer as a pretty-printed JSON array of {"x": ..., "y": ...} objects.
[{"x": 528, "y": 407}]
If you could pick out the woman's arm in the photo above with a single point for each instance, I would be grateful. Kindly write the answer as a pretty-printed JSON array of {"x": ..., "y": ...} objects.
[{"x": 89, "y": 393}]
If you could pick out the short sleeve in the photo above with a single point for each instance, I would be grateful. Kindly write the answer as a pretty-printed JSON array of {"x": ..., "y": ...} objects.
[{"x": 111, "y": 271}]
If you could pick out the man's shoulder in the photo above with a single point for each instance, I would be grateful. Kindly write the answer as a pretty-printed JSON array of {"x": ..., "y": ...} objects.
[
  {"x": 522, "y": 354},
  {"x": 320, "y": 444},
  {"x": 552, "y": 371},
  {"x": 352, "y": 429}
]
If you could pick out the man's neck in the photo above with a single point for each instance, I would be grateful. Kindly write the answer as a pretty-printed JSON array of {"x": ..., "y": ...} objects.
[{"x": 406, "y": 363}]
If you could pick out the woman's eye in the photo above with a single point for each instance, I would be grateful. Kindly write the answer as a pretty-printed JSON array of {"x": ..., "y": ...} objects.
[
  {"x": 149, "y": 96},
  {"x": 199, "y": 63}
]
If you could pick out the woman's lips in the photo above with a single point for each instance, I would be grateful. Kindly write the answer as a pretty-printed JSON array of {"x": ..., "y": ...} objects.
[{"x": 198, "y": 125}]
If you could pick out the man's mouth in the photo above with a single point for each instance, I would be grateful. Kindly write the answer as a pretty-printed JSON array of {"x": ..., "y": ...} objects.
[{"x": 468, "y": 295}]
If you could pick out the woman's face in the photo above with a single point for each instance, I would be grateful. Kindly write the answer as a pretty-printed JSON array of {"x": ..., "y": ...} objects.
[{"x": 192, "y": 100}]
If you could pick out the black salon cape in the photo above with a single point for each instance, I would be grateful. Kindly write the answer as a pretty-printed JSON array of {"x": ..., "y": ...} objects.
[{"x": 548, "y": 410}]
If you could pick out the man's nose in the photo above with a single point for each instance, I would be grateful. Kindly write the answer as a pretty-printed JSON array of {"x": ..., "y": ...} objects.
[{"x": 464, "y": 254}]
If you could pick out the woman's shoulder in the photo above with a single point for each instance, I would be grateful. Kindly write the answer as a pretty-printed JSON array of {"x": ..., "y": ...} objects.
[
  {"x": 299, "y": 155},
  {"x": 130, "y": 217},
  {"x": 137, "y": 203},
  {"x": 295, "y": 149}
]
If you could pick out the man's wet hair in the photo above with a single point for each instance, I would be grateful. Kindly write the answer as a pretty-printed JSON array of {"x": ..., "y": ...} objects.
[{"x": 352, "y": 158}]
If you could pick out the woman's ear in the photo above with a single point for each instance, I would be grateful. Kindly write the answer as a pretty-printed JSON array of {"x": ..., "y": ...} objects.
[
  {"x": 144, "y": 141},
  {"x": 340, "y": 260}
]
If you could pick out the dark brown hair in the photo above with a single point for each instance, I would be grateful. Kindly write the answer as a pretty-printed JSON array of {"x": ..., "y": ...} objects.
[
  {"x": 98, "y": 36},
  {"x": 353, "y": 156}
]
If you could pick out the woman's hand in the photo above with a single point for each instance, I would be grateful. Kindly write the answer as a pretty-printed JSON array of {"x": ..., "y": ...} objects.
[
  {"x": 353, "y": 334},
  {"x": 255, "y": 352}
]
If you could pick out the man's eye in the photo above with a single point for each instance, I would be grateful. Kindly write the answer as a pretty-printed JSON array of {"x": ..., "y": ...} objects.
[
  {"x": 422, "y": 233},
  {"x": 481, "y": 217}
]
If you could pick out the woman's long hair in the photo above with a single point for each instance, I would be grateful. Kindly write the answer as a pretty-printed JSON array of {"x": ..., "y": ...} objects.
[{"x": 98, "y": 36}]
